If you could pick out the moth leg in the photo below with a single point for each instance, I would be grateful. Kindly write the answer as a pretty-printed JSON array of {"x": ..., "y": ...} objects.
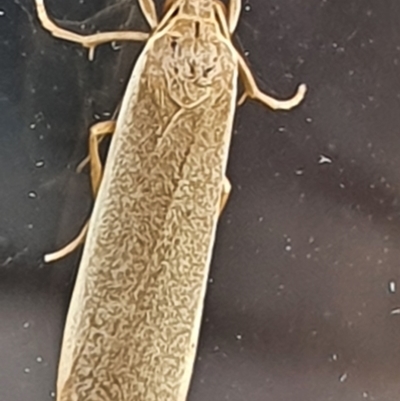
[
  {"x": 235, "y": 6},
  {"x": 88, "y": 41},
  {"x": 97, "y": 133},
  {"x": 149, "y": 11},
  {"x": 86, "y": 160},
  {"x": 226, "y": 190},
  {"x": 69, "y": 248},
  {"x": 252, "y": 91}
]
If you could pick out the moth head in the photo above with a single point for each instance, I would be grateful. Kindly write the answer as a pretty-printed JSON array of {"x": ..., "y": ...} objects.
[{"x": 192, "y": 60}]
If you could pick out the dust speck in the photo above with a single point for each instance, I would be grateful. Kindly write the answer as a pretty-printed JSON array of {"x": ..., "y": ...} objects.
[
  {"x": 324, "y": 159},
  {"x": 115, "y": 46}
]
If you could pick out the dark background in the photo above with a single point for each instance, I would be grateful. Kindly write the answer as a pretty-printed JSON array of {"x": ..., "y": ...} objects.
[{"x": 303, "y": 301}]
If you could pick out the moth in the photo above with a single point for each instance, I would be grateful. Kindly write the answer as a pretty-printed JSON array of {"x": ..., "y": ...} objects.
[{"x": 134, "y": 318}]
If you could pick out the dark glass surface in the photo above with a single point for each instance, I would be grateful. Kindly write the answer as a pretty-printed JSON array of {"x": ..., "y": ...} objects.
[{"x": 303, "y": 301}]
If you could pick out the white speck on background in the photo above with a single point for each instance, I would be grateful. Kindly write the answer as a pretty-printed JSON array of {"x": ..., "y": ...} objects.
[
  {"x": 395, "y": 311},
  {"x": 2, "y": 13},
  {"x": 247, "y": 7},
  {"x": 342, "y": 186},
  {"x": 52, "y": 394},
  {"x": 343, "y": 377},
  {"x": 309, "y": 119},
  {"x": 39, "y": 163},
  {"x": 32, "y": 126},
  {"x": 392, "y": 286},
  {"x": 32, "y": 194},
  {"x": 299, "y": 171},
  {"x": 7, "y": 261},
  {"x": 27, "y": 370},
  {"x": 115, "y": 45},
  {"x": 324, "y": 159},
  {"x": 238, "y": 337},
  {"x": 39, "y": 359},
  {"x": 334, "y": 357},
  {"x": 26, "y": 325},
  {"x": 288, "y": 248}
]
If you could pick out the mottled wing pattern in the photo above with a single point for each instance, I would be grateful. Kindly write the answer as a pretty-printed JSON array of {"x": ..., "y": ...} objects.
[{"x": 133, "y": 322}]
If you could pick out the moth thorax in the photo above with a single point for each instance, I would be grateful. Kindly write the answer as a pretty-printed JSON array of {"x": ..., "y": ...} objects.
[{"x": 198, "y": 8}]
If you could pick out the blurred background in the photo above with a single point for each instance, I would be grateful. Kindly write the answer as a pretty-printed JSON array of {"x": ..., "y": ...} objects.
[{"x": 303, "y": 300}]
